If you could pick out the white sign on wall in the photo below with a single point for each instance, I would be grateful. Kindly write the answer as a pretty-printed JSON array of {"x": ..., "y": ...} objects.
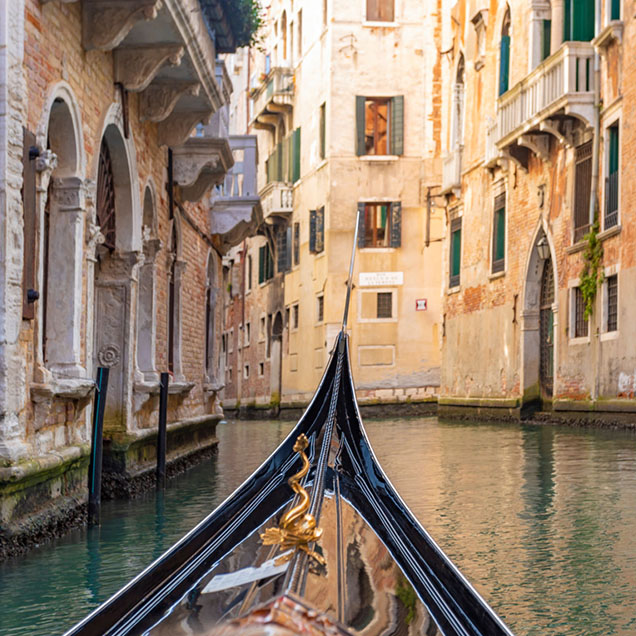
[{"x": 372, "y": 279}]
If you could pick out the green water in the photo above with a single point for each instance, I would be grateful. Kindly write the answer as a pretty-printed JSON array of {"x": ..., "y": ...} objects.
[{"x": 540, "y": 519}]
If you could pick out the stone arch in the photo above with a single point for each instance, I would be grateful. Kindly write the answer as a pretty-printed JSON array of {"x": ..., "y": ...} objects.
[
  {"x": 276, "y": 357},
  {"x": 61, "y": 213},
  {"x": 115, "y": 267},
  {"x": 530, "y": 315},
  {"x": 146, "y": 296}
]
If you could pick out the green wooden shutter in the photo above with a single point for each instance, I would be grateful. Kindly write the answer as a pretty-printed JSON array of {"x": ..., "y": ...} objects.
[
  {"x": 323, "y": 131},
  {"x": 269, "y": 269},
  {"x": 504, "y": 63},
  {"x": 396, "y": 130},
  {"x": 500, "y": 245},
  {"x": 396, "y": 224},
  {"x": 261, "y": 265},
  {"x": 360, "y": 125},
  {"x": 567, "y": 21},
  {"x": 615, "y": 11},
  {"x": 289, "y": 148},
  {"x": 583, "y": 20},
  {"x": 279, "y": 161},
  {"x": 361, "y": 230},
  {"x": 547, "y": 36},
  {"x": 613, "y": 150},
  {"x": 288, "y": 250},
  {"x": 281, "y": 249},
  {"x": 296, "y": 153},
  {"x": 30, "y": 224},
  {"x": 312, "y": 231},
  {"x": 455, "y": 251}
]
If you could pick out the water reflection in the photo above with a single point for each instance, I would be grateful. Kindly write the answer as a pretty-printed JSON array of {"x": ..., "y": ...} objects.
[{"x": 540, "y": 520}]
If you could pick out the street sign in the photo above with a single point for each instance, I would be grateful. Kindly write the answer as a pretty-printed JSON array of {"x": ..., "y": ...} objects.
[{"x": 420, "y": 304}]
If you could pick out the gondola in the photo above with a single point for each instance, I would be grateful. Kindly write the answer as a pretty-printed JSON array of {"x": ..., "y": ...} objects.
[{"x": 316, "y": 541}]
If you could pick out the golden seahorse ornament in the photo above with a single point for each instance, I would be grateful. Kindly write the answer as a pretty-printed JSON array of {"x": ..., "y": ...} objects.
[{"x": 297, "y": 528}]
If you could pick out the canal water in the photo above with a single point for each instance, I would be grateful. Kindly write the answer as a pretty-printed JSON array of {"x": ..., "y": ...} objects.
[{"x": 541, "y": 519}]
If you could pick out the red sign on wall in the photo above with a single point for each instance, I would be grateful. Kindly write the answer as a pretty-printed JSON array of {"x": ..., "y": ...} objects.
[{"x": 420, "y": 304}]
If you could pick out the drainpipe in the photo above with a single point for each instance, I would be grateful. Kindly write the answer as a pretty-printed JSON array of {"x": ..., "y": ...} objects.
[{"x": 595, "y": 171}]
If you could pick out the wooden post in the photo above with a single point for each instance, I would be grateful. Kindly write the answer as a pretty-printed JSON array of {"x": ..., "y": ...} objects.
[
  {"x": 161, "y": 432},
  {"x": 97, "y": 446}
]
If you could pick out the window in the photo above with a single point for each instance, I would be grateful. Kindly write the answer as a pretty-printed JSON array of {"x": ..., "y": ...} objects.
[
  {"x": 248, "y": 333},
  {"x": 615, "y": 9},
  {"x": 283, "y": 249},
  {"x": 611, "y": 307},
  {"x": 265, "y": 264},
  {"x": 268, "y": 348},
  {"x": 379, "y": 125},
  {"x": 246, "y": 371},
  {"x": 320, "y": 308},
  {"x": 580, "y": 321},
  {"x": 300, "y": 33},
  {"x": 317, "y": 230},
  {"x": 384, "y": 305},
  {"x": 582, "y": 185},
  {"x": 457, "y": 126},
  {"x": 380, "y": 224},
  {"x": 261, "y": 329},
  {"x": 261, "y": 369},
  {"x": 230, "y": 341},
  {"x": 322, "y": 130},
  {"x": 295, "y": 312},
  {"x": 287, "y": 317},
  {"x": 578, "y": 22},
  {"x": 324, "y": 13},
  {"x": 504, "y": 54},
  {"x": 611, "y": 181},
  {"x": 455, "y": 251},
  {"x": 499, "y": 234},
  {"x": 283, "y": 164},
  {"x": 296, "y": 243},
  {"x": 295, "y": 163},
  {"x": 249, "y": 273},
  {"x": 380, "y": 10},
  {"x": 546, "y": 36}
]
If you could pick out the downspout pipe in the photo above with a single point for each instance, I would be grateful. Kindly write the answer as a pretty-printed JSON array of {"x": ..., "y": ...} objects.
[{"x": 595, "y": 175}]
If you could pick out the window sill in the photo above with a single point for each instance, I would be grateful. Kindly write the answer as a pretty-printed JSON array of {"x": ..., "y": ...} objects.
[
  {"x": 496, "y": 275},
  {"x": 377, "y": 320},
  {"x": 612, "y": 231},
  {"x": 609, "y": 335},
  {"x": 453, "y": 290},
  {"x": 75, "y": 388},
  {"x": 377, "y": 23},
  {"x": 577, "y": 247},
  {"x": 581, "y": 340},
  {"x": 378, "y": 250},
  {"x": 379, "y": 158},
  {"x": 180, "y": 387},
  {"x": 151, "y": 388}
]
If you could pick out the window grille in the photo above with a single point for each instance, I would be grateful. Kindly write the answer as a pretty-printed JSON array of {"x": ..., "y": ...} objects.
[
  {"x": 580, "y": 322},
  {"x": 385, "y": 305},
  {"x": 321, "y": 308},
  {"x": 611, "y": 182},
  {"x": 106, "y": 197},
  {"x": 612, "y": 303}
]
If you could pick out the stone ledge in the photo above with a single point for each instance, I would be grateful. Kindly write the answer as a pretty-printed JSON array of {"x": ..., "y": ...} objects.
[
  {"x": 73, "y": 388},
  {"x": 505, "y": 403},
  {"x": 596, "y": 406}
]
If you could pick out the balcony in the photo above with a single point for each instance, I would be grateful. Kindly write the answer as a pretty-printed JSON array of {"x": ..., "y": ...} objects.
[
  {"x": 452, "y": 171},
  {"x": 235, "y": 210},
  {"x": 273, "y": 96},
  {"x": 277, "y": 200},
  {"x": 561, "y": 88}
]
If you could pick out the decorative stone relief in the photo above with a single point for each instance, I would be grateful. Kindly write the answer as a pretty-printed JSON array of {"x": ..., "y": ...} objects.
[
  {"x": 69, "y": 194},
  {"x": 46, "y": 161},
  {"x": 136, "y": 67},
  {"x": 159, "y": 99},
  {"x": 109, "y": 355},
  {"x": 176, "y": 128},
  {"x": 106, "y": 22}
]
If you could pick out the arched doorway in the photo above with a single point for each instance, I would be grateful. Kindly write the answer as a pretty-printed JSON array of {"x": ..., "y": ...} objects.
[
  {"x": 276, "y": 357},
  {"x": 115, "y": 278},
  {"x": 546, "y": 331},
  {"x": 539, "y": 325}
]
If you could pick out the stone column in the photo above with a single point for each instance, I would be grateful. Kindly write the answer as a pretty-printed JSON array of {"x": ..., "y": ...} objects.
[
  {"x": 12, "y": 114},
  {"x": 65, "y": 291},
  {"x": 147, "y": 313},
  {"x": 556, "y": 35}
]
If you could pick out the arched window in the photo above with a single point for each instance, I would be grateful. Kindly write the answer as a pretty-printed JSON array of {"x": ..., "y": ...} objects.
[
  {"x": 457, "y": 131},
  {"x": 210, "y": 307},
  {"x": 504, "y": 54},
  {"x": 106, "y": 197},
  {"x": 283, "y": 33}
]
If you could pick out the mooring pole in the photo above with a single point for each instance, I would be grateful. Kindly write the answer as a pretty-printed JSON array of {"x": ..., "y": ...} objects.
[
  {"x": 162, "y": 431},
  {"x": 97, "y": 447}
]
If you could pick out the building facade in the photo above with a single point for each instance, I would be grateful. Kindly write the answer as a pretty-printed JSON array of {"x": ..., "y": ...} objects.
[
  {"x": 538, "y": 137},
  {"x": 342, "y": 128},
  {"x": 113, "y": 129}
]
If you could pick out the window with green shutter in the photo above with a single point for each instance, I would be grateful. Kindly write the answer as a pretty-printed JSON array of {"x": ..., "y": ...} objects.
[
  {"x": 265, "y": 264},
  {"x": 578, "y": 23},
  {"x": 380, "y": 125},
  {"x": 615, "y": 10},
  {"x": 499, "y": 234},
  {"x": 296, "y": 155},
  {"x": 320, "y": 229},
  {"x": 546, "y": 36},
  {"x": 504, "y": 54},
  {"x": 312, "y": 231},
  {"x": 380, "y": 224},
  {"x": 323, "y": 138},
  {"x": 455, "y": 252},
  {"x": 612, "y": 179}
]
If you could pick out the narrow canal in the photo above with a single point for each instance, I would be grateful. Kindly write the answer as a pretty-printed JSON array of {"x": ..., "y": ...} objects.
[{"x": 540, "y": 519}]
